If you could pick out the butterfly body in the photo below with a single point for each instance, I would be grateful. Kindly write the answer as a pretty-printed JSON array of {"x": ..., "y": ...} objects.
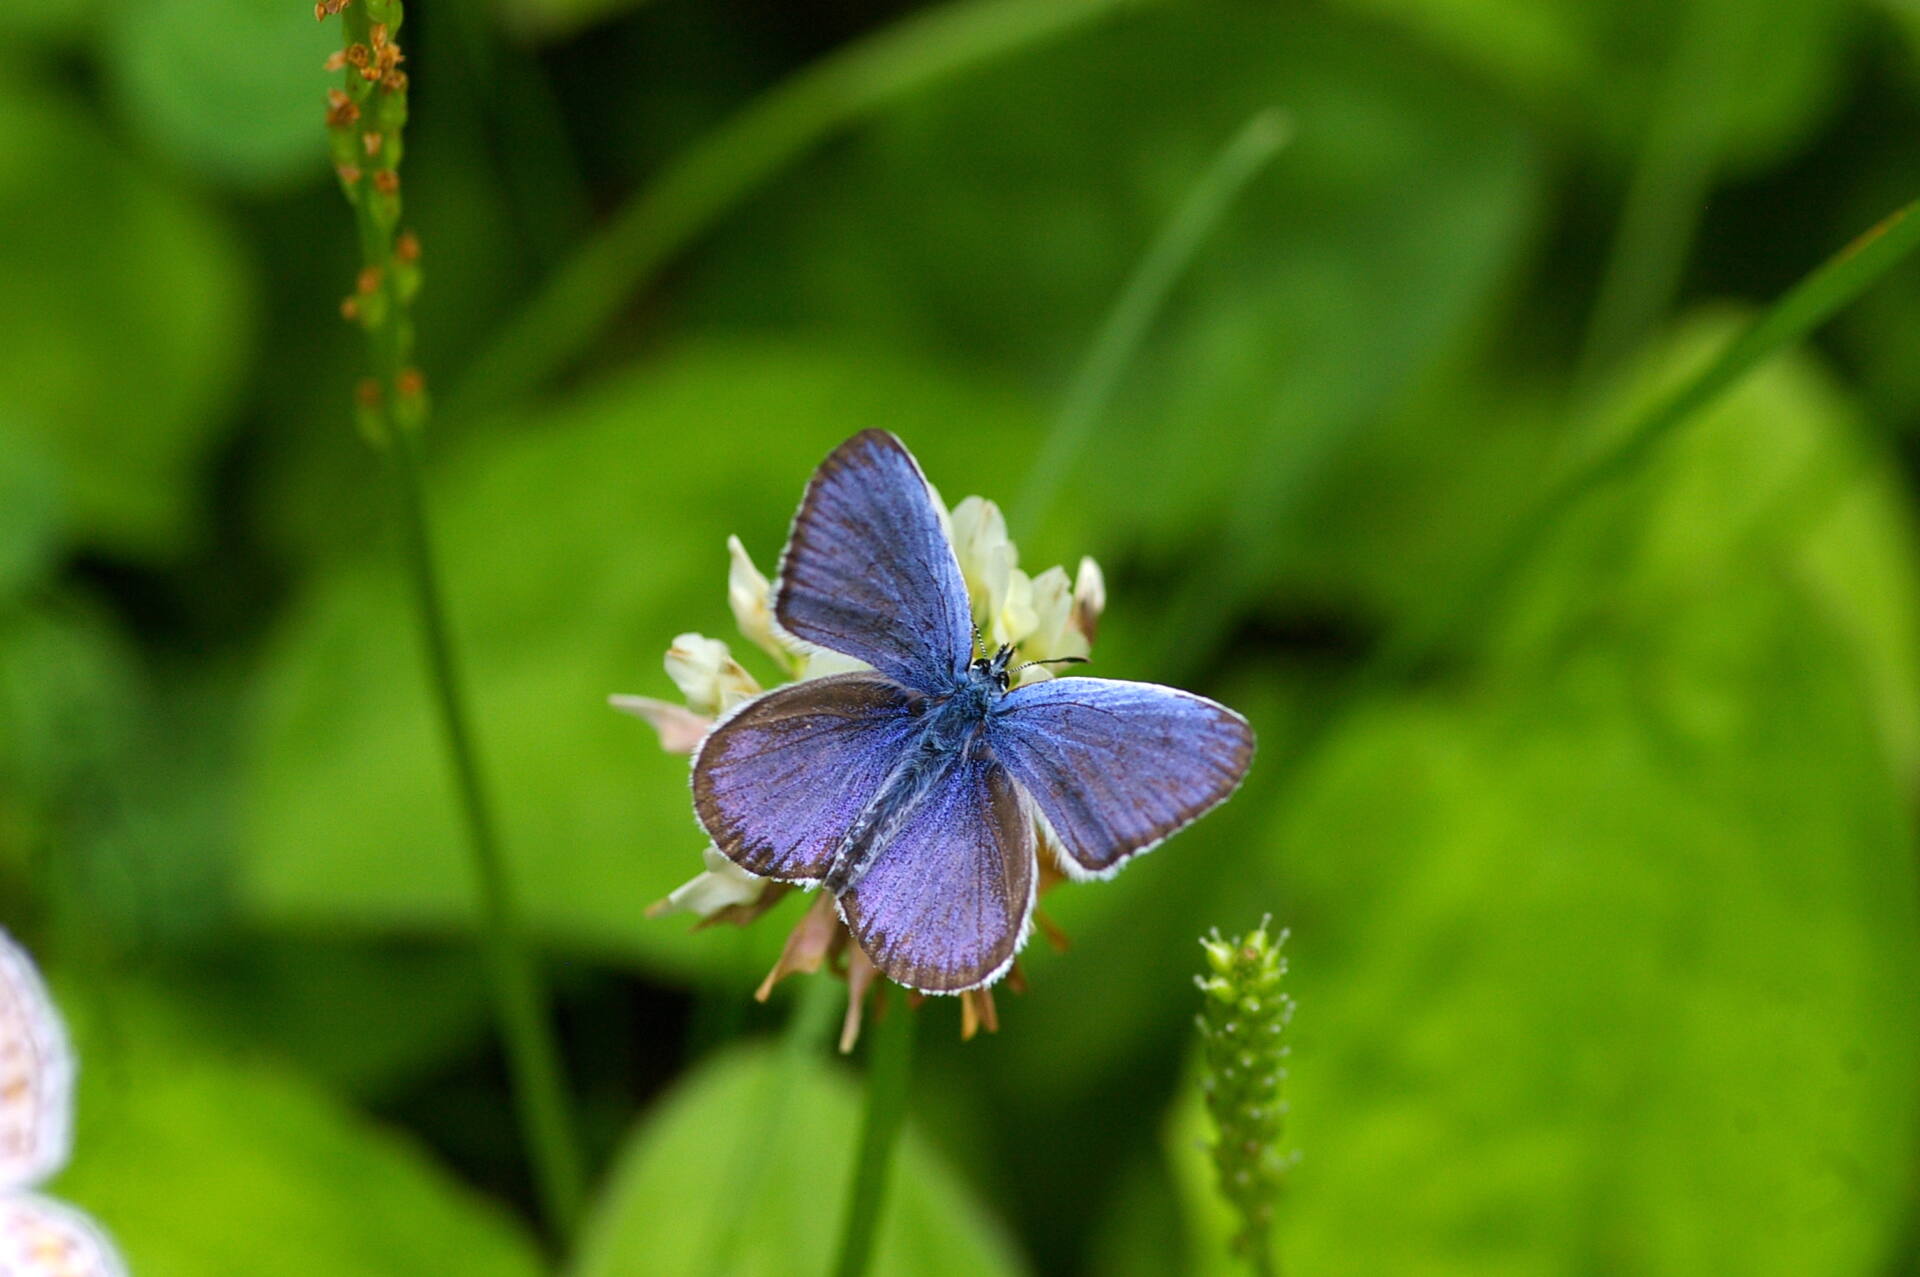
[
  {"x": 953, "y": 729},
  {"x": 914, "y": 791}
]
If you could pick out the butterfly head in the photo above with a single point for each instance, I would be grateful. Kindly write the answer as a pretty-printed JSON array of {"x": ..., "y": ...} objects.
[{"x": 993, "y": 669}]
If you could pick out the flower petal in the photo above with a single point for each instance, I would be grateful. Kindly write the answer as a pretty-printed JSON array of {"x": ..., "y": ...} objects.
[
  {"x": 723, "y": 884},
  {"x": 749, "y": 594},
  {"x": 681, "y": 730},
  {"x": 707, "y": 675}
]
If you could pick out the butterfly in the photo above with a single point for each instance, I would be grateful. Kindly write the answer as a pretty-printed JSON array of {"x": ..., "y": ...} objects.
[
  {"x": 39, "y": 1237},
  {"x": 915, "y": 791}
]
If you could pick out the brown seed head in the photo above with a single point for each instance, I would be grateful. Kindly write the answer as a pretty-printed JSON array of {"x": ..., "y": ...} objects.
[
  {"x": 368, "y": 282},
  {"x": 387, "y": 182},
  {"x": 340, "y": 109},
  {"x": 336, "y": 60},
  {"x": 356, "y": 55},
  {"x": 372, "y": 142},
  {"x": 349, "y": 173}
]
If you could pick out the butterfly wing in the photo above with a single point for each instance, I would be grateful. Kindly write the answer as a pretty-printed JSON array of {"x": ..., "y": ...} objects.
[
  {"x": 781, "y": 779},
  {"x": 869, "y": 572},
  {"x": 944, "y": 906},
  {"x": 43, "y": 1238},
  {"x": 1118, "y": 767},
  {"x": 36, "y": 1075}
]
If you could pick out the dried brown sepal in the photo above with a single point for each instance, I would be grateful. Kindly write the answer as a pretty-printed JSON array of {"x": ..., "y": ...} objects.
[
  {"x": 860, "y": 976},
  {"x": 368, "y": 281},
  {"x": 406, "y": 247},
  {"x": 811, "y": 942},
  {"x": 387, "y": 182}
]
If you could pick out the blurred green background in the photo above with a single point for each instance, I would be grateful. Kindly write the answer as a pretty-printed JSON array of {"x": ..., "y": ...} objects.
[{"x": 1606, "y": 931}]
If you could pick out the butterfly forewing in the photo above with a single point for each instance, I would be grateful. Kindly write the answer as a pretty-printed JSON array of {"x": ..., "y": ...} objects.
[
  {"x": 42, "y": 1238},
  {"x": 945, "y": 904},
  {"x": 1116, "y": 767},
  {"x": 869, "y": 572},
  {"x": 36, "y": 1075},
  {"x": 781, "y": 780}
]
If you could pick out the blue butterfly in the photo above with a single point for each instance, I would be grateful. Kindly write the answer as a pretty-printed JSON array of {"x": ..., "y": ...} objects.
[{"x": 913, "y": 790}]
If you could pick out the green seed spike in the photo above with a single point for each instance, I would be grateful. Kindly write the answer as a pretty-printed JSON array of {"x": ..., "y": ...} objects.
[{"x": 1243, "y": 1015}]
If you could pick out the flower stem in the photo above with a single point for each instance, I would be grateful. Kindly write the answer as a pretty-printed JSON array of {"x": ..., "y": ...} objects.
[
  {"x": 889, "y": 1072},
  {"x": 519, "y": 994},
  {"x": 366, "y": 118}
]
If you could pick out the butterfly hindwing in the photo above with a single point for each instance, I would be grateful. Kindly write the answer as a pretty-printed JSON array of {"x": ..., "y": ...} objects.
[
  {"x": 945, "y": 904},
  {"x": 36, "y": 1075},
  {"x": 779, "y": 781},
  {"x": 1116, "y": 767},
  {"x": 869, "y": 572}
]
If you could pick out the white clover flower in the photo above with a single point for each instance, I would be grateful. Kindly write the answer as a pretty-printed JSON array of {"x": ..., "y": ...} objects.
[
  {"x": 1044, "y": 617},
  {"x": 39, "y": 1237},
  {"x": 707, "y": 675}
]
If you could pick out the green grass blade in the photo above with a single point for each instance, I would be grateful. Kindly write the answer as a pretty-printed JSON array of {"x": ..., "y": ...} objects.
[
  {"x": 569, "y": 311},
  {"x": 1810, "y": 303},
  {"x": 1126, "y": 325}
]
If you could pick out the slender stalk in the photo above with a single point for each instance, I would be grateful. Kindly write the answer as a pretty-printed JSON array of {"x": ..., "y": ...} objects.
[
  {"x": 365, "y": 119},
  {"x": 1810, "y": 303},
  {"x": 1666, "y": 195},
  {"x": 1250, "y": 149},
  {"x": 889, "y": 1072},
  {"x": 568, "y": 311},
  {"x": 519, "y": 994}
]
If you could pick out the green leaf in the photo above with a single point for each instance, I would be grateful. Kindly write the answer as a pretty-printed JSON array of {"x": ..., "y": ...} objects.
[
  {"x": 1340, "y": 275},
  {"x": 29, "y": 513},
  {"x": 740, "y": 1169},
  {"x": 233, "y": 88},
  {"x": 575, "y": 549},
  {"x": 121, "y": 326},
  {"x": 1600, "y": 66},
  {"x": 45, "y": 20},
  {"x": 200, "y": 1162},
  {"x": 1602, "y": 958}
]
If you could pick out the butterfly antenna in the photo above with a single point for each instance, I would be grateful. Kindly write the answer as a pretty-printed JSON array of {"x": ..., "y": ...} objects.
[{"x": 1057, "y": 660}]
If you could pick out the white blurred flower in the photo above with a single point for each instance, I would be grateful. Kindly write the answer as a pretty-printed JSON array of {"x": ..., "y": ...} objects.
[
  {"x": 707, "y": 675},
  {"x": 39, "y": 1237}
]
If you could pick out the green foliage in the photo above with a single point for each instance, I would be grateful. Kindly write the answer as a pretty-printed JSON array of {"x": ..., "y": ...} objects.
[
  {"x": 634, "y": 490},
  {"x": 737, "y": 1171},
  {"x": 1603, "y": 66},
  {"x": 121, "y": 324},
  {"x": 203, "y": 1161},
  {"x": 231, "y": 88},
  {"x": 1612, "y": 942},
  {"x": 1314, "y": 306}
]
